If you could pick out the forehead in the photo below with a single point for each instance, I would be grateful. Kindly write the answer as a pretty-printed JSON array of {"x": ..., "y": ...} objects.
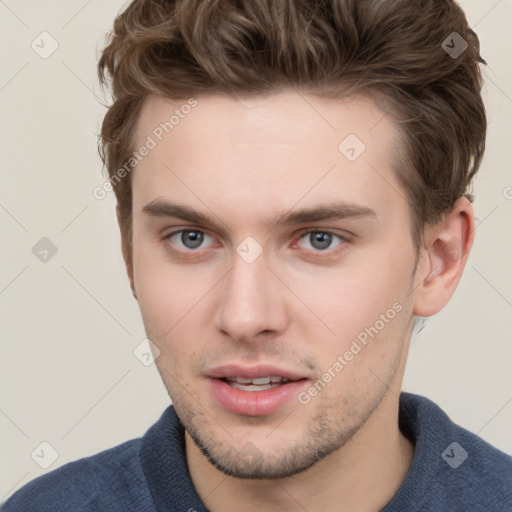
[
  {"x": 266, "y": 152},
  {"x": 261, "y": 119}
]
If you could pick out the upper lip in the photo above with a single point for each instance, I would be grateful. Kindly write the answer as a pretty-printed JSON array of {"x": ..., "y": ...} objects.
[{"x": 252, "y": 372}]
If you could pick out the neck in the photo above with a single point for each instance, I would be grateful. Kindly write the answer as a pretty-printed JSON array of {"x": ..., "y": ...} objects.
[{"x": 362, "y": 475}]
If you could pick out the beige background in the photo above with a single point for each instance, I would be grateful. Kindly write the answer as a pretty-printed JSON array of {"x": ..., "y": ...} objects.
[{"x": 70, "y": 325}]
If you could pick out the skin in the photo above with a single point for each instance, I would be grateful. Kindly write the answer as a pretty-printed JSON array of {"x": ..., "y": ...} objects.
[{"x": 297, "y": 306}]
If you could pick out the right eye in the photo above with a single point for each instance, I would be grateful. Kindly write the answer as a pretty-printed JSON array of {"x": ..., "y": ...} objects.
[{"x": 188, "y": 240}]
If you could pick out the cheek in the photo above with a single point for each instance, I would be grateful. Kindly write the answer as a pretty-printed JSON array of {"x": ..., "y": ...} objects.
[
  {"x": 162, "y": 295},
  {"x": 163, "y": 289},
  {"x": 348, "y": 299},
  {"x": 359, "y": 312},
  {"x": 174, "y": 303}
]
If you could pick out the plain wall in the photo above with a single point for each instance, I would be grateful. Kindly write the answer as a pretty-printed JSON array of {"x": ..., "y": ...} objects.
[{"x": 70, "y": 325}]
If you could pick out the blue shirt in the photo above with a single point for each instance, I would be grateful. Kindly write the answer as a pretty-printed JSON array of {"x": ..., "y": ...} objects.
[{"x": 452, "y": 470}]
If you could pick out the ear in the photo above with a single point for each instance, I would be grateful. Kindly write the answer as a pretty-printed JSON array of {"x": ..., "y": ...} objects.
[
  {"x": 443, "y": 258},
  {"x": 127, "y": 256}
]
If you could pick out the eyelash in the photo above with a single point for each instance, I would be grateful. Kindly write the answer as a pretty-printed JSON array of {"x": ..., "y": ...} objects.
[{"x": 316, "y": 254}]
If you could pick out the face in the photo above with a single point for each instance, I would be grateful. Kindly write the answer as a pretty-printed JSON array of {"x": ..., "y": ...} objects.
[{"x": 273, "y": 264}]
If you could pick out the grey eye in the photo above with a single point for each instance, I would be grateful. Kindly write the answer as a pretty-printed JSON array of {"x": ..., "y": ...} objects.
[
  {"x": 191, "y": 239},
  {"x": 319, "y": 240},
  {"x": 187, "y": 240}
]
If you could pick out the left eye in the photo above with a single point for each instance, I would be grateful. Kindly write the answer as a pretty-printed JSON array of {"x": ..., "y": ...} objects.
[
  {"x": 320, "y": 240},
  {"x": 189, "y": 238}
]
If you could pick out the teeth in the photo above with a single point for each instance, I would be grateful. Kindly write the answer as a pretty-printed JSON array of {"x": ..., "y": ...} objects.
[
  {"x": 261, "y": 380},
  {"x": 256, "y": 384},
  {"x": 251, "y": 387},
  {"x": 242, "y": 380}
]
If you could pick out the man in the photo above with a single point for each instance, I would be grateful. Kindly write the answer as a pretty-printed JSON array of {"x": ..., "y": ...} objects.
[{"x": 292, "y": 183}]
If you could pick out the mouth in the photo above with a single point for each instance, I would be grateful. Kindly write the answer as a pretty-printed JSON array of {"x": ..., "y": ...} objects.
[{"x": 256, "y": 391}]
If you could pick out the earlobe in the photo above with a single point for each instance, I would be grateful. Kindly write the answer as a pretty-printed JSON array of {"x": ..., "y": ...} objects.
[{"x": 444, "y": 254}]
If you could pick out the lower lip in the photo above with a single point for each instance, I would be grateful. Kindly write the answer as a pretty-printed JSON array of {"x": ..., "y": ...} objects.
[{"x": 254, "y": 403}]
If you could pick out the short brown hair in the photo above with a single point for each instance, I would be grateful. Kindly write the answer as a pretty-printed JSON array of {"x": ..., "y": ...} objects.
[{"x": 393, "y": 49}]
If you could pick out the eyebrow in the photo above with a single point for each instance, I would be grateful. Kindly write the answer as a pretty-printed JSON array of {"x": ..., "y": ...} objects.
[{"x": 330, "y": 211}]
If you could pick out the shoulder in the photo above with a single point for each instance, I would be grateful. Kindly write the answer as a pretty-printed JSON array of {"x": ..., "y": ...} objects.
[
  {"x": 473, "y": 475},
  {"x": 480, "y": 474},
  {"x": 454, "y": 468},
  {"x": 109, "y": 480}
]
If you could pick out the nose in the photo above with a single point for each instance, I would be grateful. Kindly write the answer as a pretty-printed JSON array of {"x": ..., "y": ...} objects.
[{"x": 252, "y": 302}]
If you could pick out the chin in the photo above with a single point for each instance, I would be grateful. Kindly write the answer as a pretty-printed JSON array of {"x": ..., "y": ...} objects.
[{"x": 277, "y": 458}]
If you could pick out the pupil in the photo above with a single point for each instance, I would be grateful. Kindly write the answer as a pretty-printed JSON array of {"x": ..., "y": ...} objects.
[
  {"x": 191, "y": 239},
  {"x": 320, "y": 240}
]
